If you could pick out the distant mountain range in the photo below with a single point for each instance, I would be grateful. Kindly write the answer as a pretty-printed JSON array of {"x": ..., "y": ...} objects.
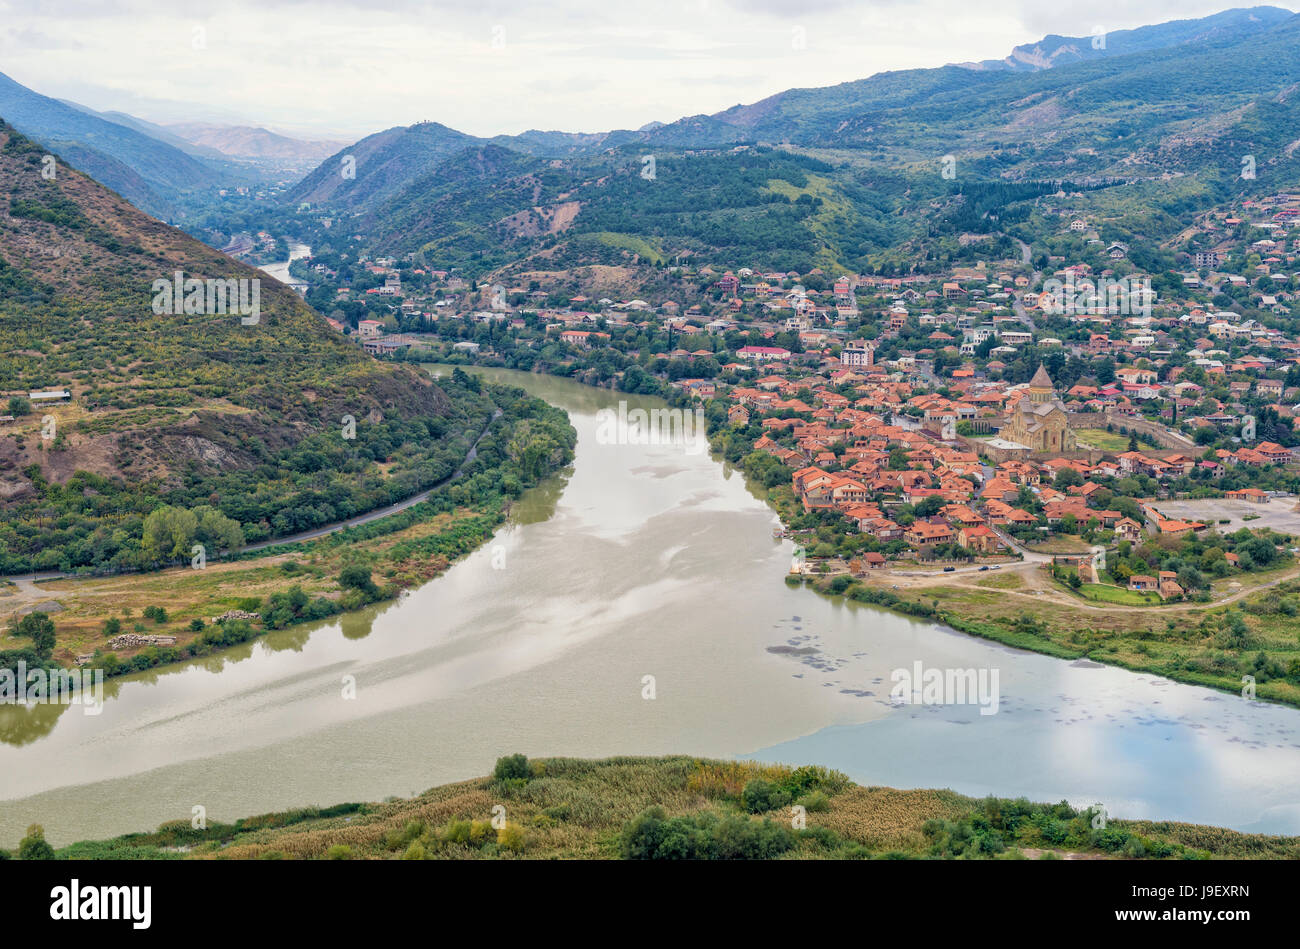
[
  {"x": 1053, "y": 50},
  {"x": 1185, "y": 100},
  {"x": 1189, "y": 97},
  {"x": 149, "y": 171},
  {"x": 242, "y": 141},
  {"x": 156, "y": 167}
]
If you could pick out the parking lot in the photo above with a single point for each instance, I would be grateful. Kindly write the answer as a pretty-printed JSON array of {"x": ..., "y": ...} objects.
[{"x": 1278, "y": 513}]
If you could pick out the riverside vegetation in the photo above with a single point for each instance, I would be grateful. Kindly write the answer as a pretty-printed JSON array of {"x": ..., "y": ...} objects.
[
  {"x": 300, "y": 582},
  {"x": 675, "y": 808}
]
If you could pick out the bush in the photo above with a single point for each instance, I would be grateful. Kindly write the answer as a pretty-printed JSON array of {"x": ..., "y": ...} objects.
[
  {"x": 815, "y": 803},
  {"x": 511, "y": 837},
  {"x": 414, "y": 852},
  {"x": 34, "y": 845},
  {"x": 760, "y": 796},
  {"x": 39, "y": 628},
  {"x": 512, "y": 768},
  {"x": 357, "y": 577},
  {"x": 339, "y": 852},
  {"x": 653, "y": 836},
  {"x": 397, "y": 839}
]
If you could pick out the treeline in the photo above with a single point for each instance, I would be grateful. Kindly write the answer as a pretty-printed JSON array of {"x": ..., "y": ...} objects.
[{"x": 93, "y": 523}]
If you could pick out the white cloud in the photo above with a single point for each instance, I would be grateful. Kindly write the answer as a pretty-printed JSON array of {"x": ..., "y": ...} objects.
[{"x": 349, "y": 67}]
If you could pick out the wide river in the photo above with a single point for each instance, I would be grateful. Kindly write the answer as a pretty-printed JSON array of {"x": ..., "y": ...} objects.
[{"x": 643, "y": 560}]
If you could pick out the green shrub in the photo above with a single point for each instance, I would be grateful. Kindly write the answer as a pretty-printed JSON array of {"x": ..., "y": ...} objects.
[
  {"x": 512, "y": 767},
  {"x": 760, "y": 796},
  {"x": 815, "y": 802},
  {"x": 653, "y": 836},
  {"x": 397, "y": 839},
  {"x": 339, "y": 852},
  {"x": 34, "y": 845}
]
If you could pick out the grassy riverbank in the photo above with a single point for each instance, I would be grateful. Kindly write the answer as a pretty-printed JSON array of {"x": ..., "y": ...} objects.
[
  {"x": 295, "y": 582},
  {"x": 1255, "y": 633},
  {"x": 681, "y": 807}
]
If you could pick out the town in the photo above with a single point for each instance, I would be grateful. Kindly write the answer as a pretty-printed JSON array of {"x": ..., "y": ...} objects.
[{"x": 1044, "y": 410}]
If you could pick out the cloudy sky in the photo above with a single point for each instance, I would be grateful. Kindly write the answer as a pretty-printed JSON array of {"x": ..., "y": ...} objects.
[{"x": 344, "y": 68}]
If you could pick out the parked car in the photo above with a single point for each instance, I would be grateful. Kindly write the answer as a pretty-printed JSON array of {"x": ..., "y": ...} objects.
[
  {"x": 949, "y": 569},
  {"x": 983, "y": 568}
]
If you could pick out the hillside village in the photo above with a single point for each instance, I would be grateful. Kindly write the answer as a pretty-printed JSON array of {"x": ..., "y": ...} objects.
[{"x": 969, "y": 416}]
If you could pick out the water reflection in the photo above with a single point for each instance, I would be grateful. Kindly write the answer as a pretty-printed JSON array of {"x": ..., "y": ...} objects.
[{"x": 641, "y": 560}]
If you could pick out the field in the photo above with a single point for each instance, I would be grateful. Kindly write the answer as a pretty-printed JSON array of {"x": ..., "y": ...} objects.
[
  {"x": 564, "y": 808},
  {"x": 1104, "y": 593},
  {"x": 1101, "y": 439},
  {"x": 1060, "y": 544},
  {"x": 80, "y": 608}
]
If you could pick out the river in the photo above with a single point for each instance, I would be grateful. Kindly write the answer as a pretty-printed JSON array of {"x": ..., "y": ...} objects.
[
  {"x": 280, "y": 269},
  {"x": 642, "y": 560}
]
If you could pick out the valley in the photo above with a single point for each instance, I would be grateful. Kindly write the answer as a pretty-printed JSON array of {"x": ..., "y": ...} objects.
[{"x": 841, "y": 474}]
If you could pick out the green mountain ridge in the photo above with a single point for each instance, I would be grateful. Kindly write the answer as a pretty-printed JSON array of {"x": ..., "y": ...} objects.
[
  {"x": 1186, "y": 100},
  {"x": 185, "y": 409}
]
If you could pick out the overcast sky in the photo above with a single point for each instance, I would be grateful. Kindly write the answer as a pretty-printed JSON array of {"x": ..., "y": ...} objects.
[{"x": 345, "y": 68}]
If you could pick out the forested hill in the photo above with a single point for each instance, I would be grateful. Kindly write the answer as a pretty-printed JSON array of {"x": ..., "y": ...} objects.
[{"x": 238, "y": 413}]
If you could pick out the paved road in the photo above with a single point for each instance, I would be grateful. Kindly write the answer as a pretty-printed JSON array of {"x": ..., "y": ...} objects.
[{"x": 1021, "y": 313}]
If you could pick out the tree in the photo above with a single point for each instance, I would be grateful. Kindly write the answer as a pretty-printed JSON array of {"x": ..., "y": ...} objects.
[
  {"x": 216, "y": 531},
  {"x": 169, "y": 533},
  {"x": 40, "y": 629},
  {"x": 18, "y": 406},
  {"x": 356, "y": 576},
  {"x": 34, "y": 846},
  {"x": 1133, "y": 440},
  {"x": 1067, "y": 478},
  {"x": 1261, "y": 551},
  {"x": 512, "y": 768}
]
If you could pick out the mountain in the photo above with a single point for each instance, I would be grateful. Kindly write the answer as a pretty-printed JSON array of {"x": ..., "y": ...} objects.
[
  {"x": 1167, "y": 80},
  {"x": 151, "y": 129},
  {"x": 242, "y": 141},
  {"x": 165, "y": 172},
  {"x": 1053, "y": 50},
  {"x": 196, "y": 410},
  {"x": 369, "y": 171},
  {"x": 846, "y": 177},
  {"x": 1106, "y": 108}
]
